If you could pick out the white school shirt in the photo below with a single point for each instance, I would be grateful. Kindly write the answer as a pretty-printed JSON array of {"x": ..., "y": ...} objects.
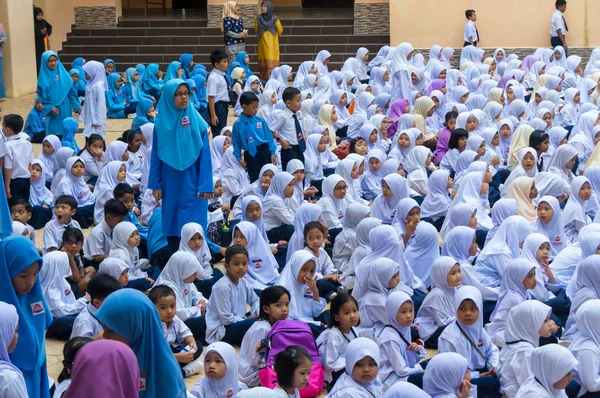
[
  {"x": 135, "y": 164},
  {"x": 470, "y": 31},
  {"x": 248, "y": 359},
  {"x": 12, "y": 384},
  {"x": 3, "y": 150},
  {"x": 93, "y": 113},
  {"x": 175, "y": 331},
  {"x": 277, "y": 216},
  {"x": 284, "y": 394},
  {"x": 285, "y": 125},
  {"x": 53, "y": 232},
  {"x": 19, "y": 156},
  {"x": 86, "y": 324},
  {"x": 216, "y": 86},
  {"x": 332, "y": 345},
  {"x": 228, "y": 305},
  {"x": 393, "y": 366},
  {"x": 324, "y": 264},
  {"x": 98, "y": 241},
  {"x": 557, "y": 22},
  {"x": 92, "y": 165}
]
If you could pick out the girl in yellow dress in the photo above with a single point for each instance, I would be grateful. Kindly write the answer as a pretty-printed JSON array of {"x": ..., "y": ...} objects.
[{"x": 269, "y": 28}]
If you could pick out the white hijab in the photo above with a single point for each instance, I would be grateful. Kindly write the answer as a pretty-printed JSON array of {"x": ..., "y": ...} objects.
[
  {"x": 52, "y": 277},
  {"x": 555, "y": 229},
  {"x": 301, "y": 296},
  {"x": 113, "y": 267},
  {"x": 458, "y": 215},
  {"x": 231, "y": 166},
  {"x": 228, "y": 385},
  {"x": 444, "y": 375},
  {"x": 275, "y": 194},
  {"x": 549, "y": 364},
  {"x": 423, "y": 251},
  {"x": 119, "y": 247},
  {"x": 312, "y": 158},
  {"x": 503, "y": 209},
  {"x": 363, "y": 249},
  {"x": 371, "y": 179},
  {"x": 384, "y": 208},
  {"x": 512, "y": 290},
  {"x": 107, "y": 181},
  {"x": 438, "y": 201},
  {"x": 307, "y": 212},
  {"x": 588, "y": 319},
  {"x": 262, "y": 265},
  {"x": 260, "y": 224},
  {"x": 203, "y": 254},
  {"x": 576, "y": 209},
  {"x": 378, "y": 281},
  {"x": 469, "y": 192},
  {"x": 216, "y": 154},
  {"x": 344, "y": 169},
  {"x": 180, "y": 266},
  {"x": 75, "y": 186},
  {"x": 519, "y": 171},
  {"x": 39, "y": 194},
  {"x": 332, "y": 209}
]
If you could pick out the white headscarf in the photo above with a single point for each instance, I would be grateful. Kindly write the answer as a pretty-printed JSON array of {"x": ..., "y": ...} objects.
[
  {"x": 360, "y": 113},
  {"x": 549, "y": 364},
  {"x": 275, "y": 193},
  {"x": 378, "y": 281},
  {"x": 321, "y": 67},
  {"x": 423, "y": 251},
  {"x": 307, "y": 212},
  {"x": 180, "y": 266},
  {"x": 507, "y": 239},
  {"x": 39, "y": 194},
  {"x": 312, "y": 158},
  {"x": 50, "y": 159},
  {"x": 400, "y": 58},
  {"x": 555, "y": 229},
  {"x": 107, "y": 181},
  {"x": 231, "y": 166},
  {"x": 558, "y": 161},
  {"x": 344, "y": 169},
  {"x": 459, "y": 215},
  {"x": 519, "y": 171},
  {"x": 404, "y": 207},
  {"x": 384, "y": 208},
  {"x": 588, "y": 319},
  {"x": 203, "y": 254},
  {"x": 216, "y": 154},
  {"x": 113, "y": 267},
  {"x": 9, "y": 318},
  {"x": 512, "y": 290},
  {"x": 363, "y": 249},
  {"x": 469, "y": 192},
  {"x": 75, "y": 186},
  {"x": 119, "y": 247},
  {"x": 332, "y": 209},
  {"x": 299, "y": 304},
  {"x": 52, "y": 277},
  {"x": 404, "y": 389},
  {"x": 576, "y": 209},
  {"x": 262, "y": 266},
  {"x": 437, "y": 202},
  {"x": 444, "y": 375},
  {"x": 228, "y": 385},
  {"x": 372, "y": 180},
  {"x": 260, "y": 223},
  {"x": 503, "y": 209}
]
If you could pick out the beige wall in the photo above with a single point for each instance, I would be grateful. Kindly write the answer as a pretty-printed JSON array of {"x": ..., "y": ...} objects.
[
  {"x": 510, "y": 23},
  {"x": 59, "y": 13},
  {"x": 19, "y": 51}
]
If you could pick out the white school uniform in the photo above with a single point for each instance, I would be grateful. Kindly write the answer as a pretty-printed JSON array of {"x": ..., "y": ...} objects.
[
  {"x": 149, "y": 205},
  {"x": 561, "y": 156},
  {"x": 457, "y": 245},
  {"x": 586, "y": 246},
  {"x": 19, "y": 156},
  {"x": 104, "y": 189},
  {"x": 344, "y": 169},
  {"x": 306, "y": 213},
  {"x": 470, "y": 31},
  {"x": 332, "y": 345},
  {"x": 49, "y": 160},
  {"x": 216, "y": 86},
  {"x": 92, "y": 165},
  {"x": 345, "y": 386},
  {"x": 312, "y": 159},
  {"x": 98, "y": 241},
  {"x": 512, "y": 293},
  {"x": 503, "y": 209},
  {"x": 249, "y": 358},
  {"x": 444, "y": 375},
  {"x": 346, "y": 240},
  {"x": 39, "y": 195},
  {"x": 575, "y": 212},
  {"x": 417, "y": 171},
  {"x": 276, "y": 210},
  {"x": 362, "y": 250},
  {"x": 285, "y": 125},
  {"x": 120, "y": 249},
  {"x": 86, "y": 324},
  {"x": 205, "y": 271},
  {"x": 332, "y": 209},
  {"x": 234, "y": 179},
  {"x": 284, "y": 394},
  {"x": 453, "y": 340},
  {"x": 228, "y": 385},
  {"x": 113, "y": 267},
  {"x": 57, "y": 291},
  {"x": 302, "y": 305},
  {"x": 530, "y": 247},
  {"x": 228, "y": 305},
  {"x": 438, "y": 201},
  {"x": 135, "y": 164},
  {"x": 75, "y": 186},
  {"x": 180, "y": 266},
  {"x": 176, "y": 331},
  {"x": 263, "y": 269},
  {"x": 371, "y": 180},
  {"x": 397, "y": 362},
  {"x": 53, "y": 232},
  {"x": 255, "y": 189},
  {"x": 586, "y": 348},
  {"x": 522, "y": 336},
  {"x": 146, "y": 148},
  {"x": 549, "y": 364},
  {"x": 324, "y": 265},
  {"x": 503, "y": 247},
  {"x": 385, "y": 208},
  {"x": 400, "y": 71},
  {"x": 12, "y": 383},
  {"x": 587, "y": 289},
  {"x": 423, "y": 251},
  {"x": 93, "y": 113}
]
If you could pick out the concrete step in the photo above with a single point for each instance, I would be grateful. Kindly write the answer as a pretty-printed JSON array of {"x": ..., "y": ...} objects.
[{"x": 202, "y": 22}]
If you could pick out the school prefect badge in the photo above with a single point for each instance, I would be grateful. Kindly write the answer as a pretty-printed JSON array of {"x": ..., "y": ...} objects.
[{"x": 185, "y": 121}]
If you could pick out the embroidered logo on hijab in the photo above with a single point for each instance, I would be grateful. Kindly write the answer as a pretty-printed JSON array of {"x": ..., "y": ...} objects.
[
  {"x": 340, "y": 215},
  {"x": 259, "y": 125},
  {"x": 185, "y": 122},
  {"x": 37, "y": 308},
  {"x": 308, "y": 293},
  {"x": 557, "y": 241},
  {"x": 56, "y": 77},
  {"x": 257, "y": 263},
  {"x": 80, "y": 195},
  {"x": 67, "y": 292},
  {"x": 185, "y": 292},
  {"x": 229, "y": 393}
]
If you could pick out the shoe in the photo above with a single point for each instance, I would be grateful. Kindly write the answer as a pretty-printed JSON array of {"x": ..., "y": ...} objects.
[
  {"x": 131, "y": 116},
  {"x": 144, "y": 264},
  {"x": 331, "y": 297},
  {"x": 193, "y": 368}
]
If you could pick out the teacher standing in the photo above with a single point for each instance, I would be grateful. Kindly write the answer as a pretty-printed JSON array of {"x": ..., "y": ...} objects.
[
  {"x": 180, "y": 166},
  {"x": 269, "y": 28},
  {"x": 232, "y": 28}
]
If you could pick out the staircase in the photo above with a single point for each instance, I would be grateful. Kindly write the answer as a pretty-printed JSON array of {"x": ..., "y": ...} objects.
[{"x": 162, "y": 41}]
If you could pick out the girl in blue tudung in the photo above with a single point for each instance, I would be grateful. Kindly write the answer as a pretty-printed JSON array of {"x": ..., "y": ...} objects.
[
  {"x": 78, "y": 83},
  {"x": 187, "y": 64},
  {"x": 200, "y": 80},
  {"x": 78, "y": 64},
  {"x": 181, "y": 165},
  {"x": 132, "y": 87},
  {"x": 118, "y": 106},
  {"x": 55, "y": 91},
  {"x": 35, "y": 126},
  {"x": 130, "y": 317},
  {"x": 152, "y": 81},
  {"x": 174, "y": 71},
  {"x": 242, "y": 59},
  {"x": 20, "y": 264},
  {"x": 144, "y": 113},
  {"x": 69, "y": 129}
]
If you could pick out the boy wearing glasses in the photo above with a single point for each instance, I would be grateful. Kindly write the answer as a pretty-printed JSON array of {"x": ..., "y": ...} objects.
[
  {"x": 218, "y": 92},
  {"x": 72, "y": 242}
]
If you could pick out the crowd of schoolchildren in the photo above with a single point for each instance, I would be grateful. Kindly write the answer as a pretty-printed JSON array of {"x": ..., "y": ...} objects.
[{"x": 424, "y": 205}]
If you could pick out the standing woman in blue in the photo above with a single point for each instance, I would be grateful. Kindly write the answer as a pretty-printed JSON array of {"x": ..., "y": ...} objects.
[
  {"x": 130, "y": 317},
  {"x": 181, "y": 165},
  {"x": 20, "y": 264},
  {"x": 2, "y": 42},
  {"x": 55, "y": 91}
]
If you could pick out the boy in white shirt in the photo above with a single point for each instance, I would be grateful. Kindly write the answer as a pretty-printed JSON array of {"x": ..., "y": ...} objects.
[
  {"x": 471, "y": 35},
  {"x": 178, "y": 335},
  {"x": 17, "y": 161},
  {"x": 21, "y": 211},
  {"x": 217, "y": 90},
  {"x": 287, "y": 127},
  {"x": 65, "y": 207},
  {"x": 558, "y": 26},
  {"x": 99, "y": 288},
  {"x": 97, "y": 244}
]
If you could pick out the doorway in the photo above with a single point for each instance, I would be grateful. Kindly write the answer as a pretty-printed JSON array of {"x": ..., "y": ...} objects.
[{"x": 327, "y": 4}]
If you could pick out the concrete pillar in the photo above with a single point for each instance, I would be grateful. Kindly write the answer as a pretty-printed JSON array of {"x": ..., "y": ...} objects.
[
  {"x": 249, "y": 9},
  {"x": 19, "y": 52},
  {"x": 371, "y": 17}
]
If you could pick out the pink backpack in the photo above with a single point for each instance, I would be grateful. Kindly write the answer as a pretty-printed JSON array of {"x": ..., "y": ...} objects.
[{"x": 286, "y": 333}]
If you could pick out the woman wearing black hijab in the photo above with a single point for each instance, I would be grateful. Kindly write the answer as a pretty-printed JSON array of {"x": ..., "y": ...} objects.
[{"x": 42, "y": 30}]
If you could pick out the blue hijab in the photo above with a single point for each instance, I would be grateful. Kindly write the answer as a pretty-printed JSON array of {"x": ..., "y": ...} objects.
[
  {"x": 35, "y": 120},
  {"x": 193, "y": 97},
  {"x": 5, "y": 217},
  {"x": 113, "y": 91},
  {"x": 178, "y": 131},
  {"x": 16, "y": 254},
  {"x": 240, "y": 60},
  {"x": 110, "y": 61},
  {"x": 53, "y": 86},
  {"x": 130, "y": 314},
  {"x": 186, "y": 59},
  {"x": 150, "y": 80},
  {"x": 141, "y": 114},
  {"x": 78, "y": 64},
  {"x": 80, "y": 85},
  {"x": 199, "y": 69},
  {"x": 172, "y": 71},
  {"x": 200, "y": 81},
  {"x": 70, "y": 127},
  {"x": 140, "y": 68},
  {"x": 134, "y": 86}
]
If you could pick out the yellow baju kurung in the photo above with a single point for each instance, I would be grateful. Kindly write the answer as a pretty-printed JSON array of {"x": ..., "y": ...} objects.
[{"x": 268, "y": 50}]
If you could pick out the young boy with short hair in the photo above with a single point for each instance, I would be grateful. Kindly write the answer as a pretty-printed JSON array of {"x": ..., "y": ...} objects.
[
  {"x": 178, "y": 335},
  {"x": 287, "y": 128},
  {"x": 471, "y": 35},
  {"x": 65, "y": 207},
  {"x": 99, "y": 288},
  {"x": 252, "y": 135},
  {"x": 218, "y": 92},
  {"x": 97, "y": 244},
  {"x": 21, "y": 211},
  {"x": 72, "y": 242},
  {"x": 17, "y": 161}
]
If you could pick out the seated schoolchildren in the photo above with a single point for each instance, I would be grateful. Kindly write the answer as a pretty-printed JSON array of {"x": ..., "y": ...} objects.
[
  {"x": 40, "y": 198},
  {"x": 99, "y": 288},
  {"x": 73, "y": 184},
  {"x": 278, "y": 217},
  {"x": 60, "y": 162},
  {"x": 221, "y": 373},
  {"x": 21, "y": 211},
  {"x": 226, "y": 316},
  {"x": 274, "y": 306},
  {"x": 50, "y": 145},
  {"x": 144, "y": 113},
  {"x": 136, "y": 155},
  {"x": 111, "y": 175},
  {"x": 35, "y": 125},
  {"x": 61, "y": 300},
  {"x": 118, "y": 107},
  {"x": 116, "y": 269},
  {"x": 13, "y": 383},
  {"x": 327, "y": 276},
  {"x": 176, "y": 332},
  {"x": 585, "y": 349},
  {"x": 93, "y": 158},
  {"x": 363, "y": 359},
  {"x": 447, "y": 375},
  {"x": 332, "y": 204},
  {"x": 124, "y": 193},
  {"x": 70, "y": 349},
  {"x": 98, "y": 242},
  {"x": 65, "y": 207}
]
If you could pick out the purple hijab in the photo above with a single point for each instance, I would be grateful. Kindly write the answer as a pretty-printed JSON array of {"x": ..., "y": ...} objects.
[
  {"x": 396, "y": 110},
  {"x": 528, "y": 61},
  {"x": 442, "y": 145},
  {"x": 436, "y": 84}
]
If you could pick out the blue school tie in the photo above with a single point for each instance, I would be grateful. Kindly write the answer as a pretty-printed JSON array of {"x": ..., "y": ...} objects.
[{"x": 301, "y": 142}]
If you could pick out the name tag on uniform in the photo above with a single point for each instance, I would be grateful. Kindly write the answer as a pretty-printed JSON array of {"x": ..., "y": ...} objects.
[
  {"x": 257, "y": 263},
  {"x": 56, "y": 77},
  {"x": 185, "y": 121},
  {"x": 37, "y": 308},
  {"x": 259, "y": 125},
  {"x": 308, "y": 293}
]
